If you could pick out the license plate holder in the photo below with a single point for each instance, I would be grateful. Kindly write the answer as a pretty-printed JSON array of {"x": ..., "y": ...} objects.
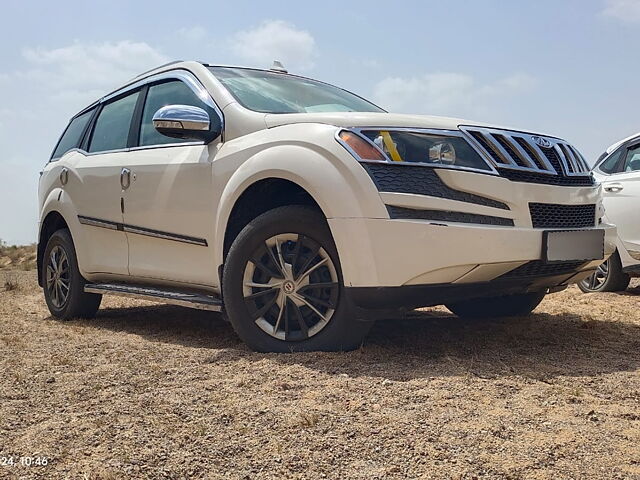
[{"x": 572, "y": 245}]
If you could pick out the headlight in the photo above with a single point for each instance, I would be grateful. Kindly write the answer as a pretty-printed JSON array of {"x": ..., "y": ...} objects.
[
  {"x": 443, "y": 152},
  {"x": 409, "y": 146}
]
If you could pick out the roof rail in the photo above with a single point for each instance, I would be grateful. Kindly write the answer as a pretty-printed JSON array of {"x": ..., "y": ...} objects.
[{"x": 155, "y": 68}]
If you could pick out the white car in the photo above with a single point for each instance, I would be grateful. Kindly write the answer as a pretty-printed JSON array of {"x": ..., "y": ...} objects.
[
  {"x": 303, "y": 211},
  {"x": 618, "y": 169}
]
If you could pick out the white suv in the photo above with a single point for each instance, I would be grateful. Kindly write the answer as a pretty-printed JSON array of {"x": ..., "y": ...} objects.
[
  {"x": 618, "y": 169},
  {"x": 303, "y": 211}
]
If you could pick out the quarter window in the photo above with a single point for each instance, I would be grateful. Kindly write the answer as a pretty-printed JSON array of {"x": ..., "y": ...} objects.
[
  {"x": 612, "y": 163},
  {"x": 632, "y": 162},
  {"x": 161, "y": 95},
  {"x": 111, "y": 131},
  {"x": 73, "y": 134}
]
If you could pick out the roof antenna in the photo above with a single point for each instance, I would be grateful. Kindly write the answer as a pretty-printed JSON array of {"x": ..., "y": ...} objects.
[{"x": 278, "y": 67}]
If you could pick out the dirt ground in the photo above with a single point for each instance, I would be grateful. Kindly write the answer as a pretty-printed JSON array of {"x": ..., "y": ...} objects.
[
  {"x": 151, "y": 391},
  {"x": 17, "y": 257}
]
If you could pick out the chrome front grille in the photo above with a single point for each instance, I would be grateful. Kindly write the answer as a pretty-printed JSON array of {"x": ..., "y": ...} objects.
[{"x": 513, "y": 150}]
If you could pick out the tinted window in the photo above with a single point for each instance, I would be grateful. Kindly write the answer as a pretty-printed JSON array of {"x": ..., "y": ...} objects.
[
  {"x": 612, "y": 163},
  {"x": 161, "y": 95},
  {"x": 72, "y": 135},
  {"x": 111, "y": 130},
  {"x": 271, "y": 92},
  {"x": 632, "y": 162}
]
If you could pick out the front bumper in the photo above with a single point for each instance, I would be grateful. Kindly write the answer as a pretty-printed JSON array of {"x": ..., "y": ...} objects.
[
  {"x": 369, "y": 303},
  {"x": 395, "y": 253}
]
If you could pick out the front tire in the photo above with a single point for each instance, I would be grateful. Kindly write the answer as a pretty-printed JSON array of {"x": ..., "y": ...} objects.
[
  {"x": 502, "y": 306},
  {"x": 63, "y": 283},
  {"x": 282, "y": 285},
  {"x": 608, "y": 277}
]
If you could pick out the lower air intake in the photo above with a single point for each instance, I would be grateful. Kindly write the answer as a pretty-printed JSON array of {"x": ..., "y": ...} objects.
[
  {"x": 538, "y": 268},
  {"x": 551, "y": 215}
]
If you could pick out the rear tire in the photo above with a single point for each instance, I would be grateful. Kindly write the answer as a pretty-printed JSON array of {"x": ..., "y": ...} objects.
[
  {"x": 282, "y": 285},
  {"x": 503, "y": 306},
  {"x": 608, "y": 277},
  {"x": 62, "y": 283}
]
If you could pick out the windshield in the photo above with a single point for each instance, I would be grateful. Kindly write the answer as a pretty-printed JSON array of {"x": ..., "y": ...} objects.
[{"x": 271, "y": 92}]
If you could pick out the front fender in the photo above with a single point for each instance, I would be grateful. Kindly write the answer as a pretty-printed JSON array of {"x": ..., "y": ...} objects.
[{"x": 338, "y": 184}]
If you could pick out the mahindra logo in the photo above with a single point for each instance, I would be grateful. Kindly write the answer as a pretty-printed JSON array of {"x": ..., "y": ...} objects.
[{"x": 541, "y": 142}]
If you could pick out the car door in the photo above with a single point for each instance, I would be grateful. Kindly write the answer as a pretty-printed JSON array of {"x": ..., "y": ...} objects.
[
  {"x": 622, "y": 195},
  {"x": 95, "y": 188},
  {"x": 168, "y": 210}
]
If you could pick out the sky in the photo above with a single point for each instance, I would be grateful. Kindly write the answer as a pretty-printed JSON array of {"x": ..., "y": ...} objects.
[{"x": 563, "y": 67}]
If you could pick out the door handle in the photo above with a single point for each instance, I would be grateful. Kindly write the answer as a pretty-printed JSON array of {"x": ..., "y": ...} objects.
[
  {"x": 613, "y": 187},
  {"x": 125, "y": 178}
]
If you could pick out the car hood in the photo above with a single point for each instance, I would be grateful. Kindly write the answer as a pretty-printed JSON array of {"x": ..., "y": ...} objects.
[{"x": 374, "y": 119}]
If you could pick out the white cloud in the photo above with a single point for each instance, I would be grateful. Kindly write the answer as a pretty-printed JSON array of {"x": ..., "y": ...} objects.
[
  {"x": 51, "y": 86},
  {"x": 193, "y": 34},
  {"x": 626, "y": 10},
  {"x": 448, "y": 93},
  {"x": 90, "y": 66},
  {"x": 276, "y": 40},
  {"x": 68, "y": 78}
]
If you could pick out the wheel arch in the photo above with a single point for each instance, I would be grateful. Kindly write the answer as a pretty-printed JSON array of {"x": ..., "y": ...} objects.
[
  {"x": 309, "y": 174},
  {"x": 260, "y": 197},
  {"x": 51, "y": 223}
]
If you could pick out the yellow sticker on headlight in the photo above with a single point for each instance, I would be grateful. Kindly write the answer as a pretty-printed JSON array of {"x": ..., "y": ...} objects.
[{"x": 390, "y": 146}]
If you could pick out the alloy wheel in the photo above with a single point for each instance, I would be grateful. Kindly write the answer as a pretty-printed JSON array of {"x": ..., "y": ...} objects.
[
  {"x": 58, "y": 277},
  {"x": 595, "y": 281},
  {"x": 290, "y": 287}
]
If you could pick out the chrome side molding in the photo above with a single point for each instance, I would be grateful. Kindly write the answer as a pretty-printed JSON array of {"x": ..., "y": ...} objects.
[{"x": 123, "y": 227}]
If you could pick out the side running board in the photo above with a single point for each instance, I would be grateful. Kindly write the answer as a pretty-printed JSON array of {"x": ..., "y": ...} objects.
[{"x": 173, "y": 297}]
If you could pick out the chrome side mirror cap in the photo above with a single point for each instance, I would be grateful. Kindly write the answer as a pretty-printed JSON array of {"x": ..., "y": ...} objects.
[{"x": 184, "y": 121}]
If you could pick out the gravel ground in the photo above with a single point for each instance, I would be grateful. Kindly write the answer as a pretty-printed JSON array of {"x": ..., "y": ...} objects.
[{"x": 149, "y": 391}]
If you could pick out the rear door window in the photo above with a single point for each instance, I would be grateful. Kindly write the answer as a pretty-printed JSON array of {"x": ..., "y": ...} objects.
[
  {"x": 72, "y": 135},
  {"x": 111, "y": 130}
]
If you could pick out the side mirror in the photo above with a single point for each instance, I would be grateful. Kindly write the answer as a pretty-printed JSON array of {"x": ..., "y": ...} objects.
[{"x": 184, "y": 121}]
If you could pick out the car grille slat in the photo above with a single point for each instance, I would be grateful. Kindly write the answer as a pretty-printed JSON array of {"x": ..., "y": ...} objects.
[
  {"x": 580, "y": 159},
  {"x": 511, "y": 150},
  {"x": 553, "y": 158},
  {"x": 569, "y": 160},
  {"x": 530, "y": 151},
  {"x": 523, "y": 157},
  {"x": 551, "y": 215},
  {"x": 489, "y": 148}
]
